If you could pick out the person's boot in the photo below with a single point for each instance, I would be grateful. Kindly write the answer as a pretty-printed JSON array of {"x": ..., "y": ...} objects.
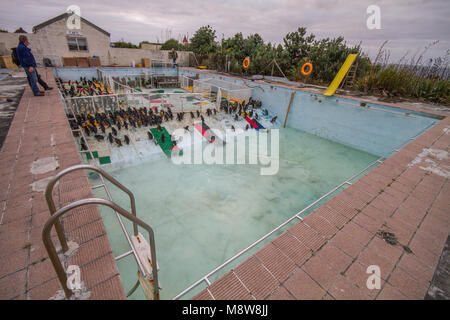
[{"x": 40, "y": 94}]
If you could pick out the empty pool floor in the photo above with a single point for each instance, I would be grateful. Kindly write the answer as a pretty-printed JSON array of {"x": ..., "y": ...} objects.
[{"x": 323, "y": 257}]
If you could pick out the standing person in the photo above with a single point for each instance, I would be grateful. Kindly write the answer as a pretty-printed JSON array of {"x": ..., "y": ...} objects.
[
  {"x": 41, "y": 82},
  {"x": 16, "y": 61},
  {"x": 28, "y": 63},
  {"x": 174, "y": 57}
]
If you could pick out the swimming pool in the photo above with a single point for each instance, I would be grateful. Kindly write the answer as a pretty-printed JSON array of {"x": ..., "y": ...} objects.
[{"x": 204, "y": 214}]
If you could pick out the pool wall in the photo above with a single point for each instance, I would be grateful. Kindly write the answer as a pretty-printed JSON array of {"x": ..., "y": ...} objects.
[
  {"x": 377, "y": 129},
  {"x": 67, "y": 74}
]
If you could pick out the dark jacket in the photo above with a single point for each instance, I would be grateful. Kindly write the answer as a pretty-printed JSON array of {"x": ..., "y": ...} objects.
[{"x": 26, "y": 58}]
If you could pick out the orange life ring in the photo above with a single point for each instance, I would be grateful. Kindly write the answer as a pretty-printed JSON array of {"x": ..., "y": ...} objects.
[
  {"x": 310, "y": 69},
  {"x": 246, "y": 63}
]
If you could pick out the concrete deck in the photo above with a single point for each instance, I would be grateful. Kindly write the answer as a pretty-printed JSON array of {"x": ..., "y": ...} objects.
[
  {"x": 325, "y": 256},
  {"x": 40, "y": 130}
]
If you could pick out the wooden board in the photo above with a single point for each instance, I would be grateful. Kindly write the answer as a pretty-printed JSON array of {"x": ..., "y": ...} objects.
[
  {"x": 69, "y": 62},
  {"x": 94, "y": 62},
  {"x": 82, "y": 62},
  {"x": 146, "y": 62},
  {"x": 6, "y": 62}
]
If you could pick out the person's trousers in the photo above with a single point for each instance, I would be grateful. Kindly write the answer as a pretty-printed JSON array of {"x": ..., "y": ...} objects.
[
  {"x": 32, "y": 77},
  {"x": 40, "y": 81}
]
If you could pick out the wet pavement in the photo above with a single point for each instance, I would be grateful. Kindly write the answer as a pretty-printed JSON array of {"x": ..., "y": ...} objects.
[{"x": 11, "y": 91}]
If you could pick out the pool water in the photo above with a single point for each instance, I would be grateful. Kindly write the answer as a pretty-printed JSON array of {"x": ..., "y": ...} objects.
[{"x": 204, "y": 214}]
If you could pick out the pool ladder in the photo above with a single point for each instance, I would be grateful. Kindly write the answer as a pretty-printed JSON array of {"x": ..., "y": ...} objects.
[{"x": 144, "y": 254}]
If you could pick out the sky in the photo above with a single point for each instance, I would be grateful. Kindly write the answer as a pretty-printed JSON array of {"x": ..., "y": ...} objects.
[{"x": 408, "y": 25}]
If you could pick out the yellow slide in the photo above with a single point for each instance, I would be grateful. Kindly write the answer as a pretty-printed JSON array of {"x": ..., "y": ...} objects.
[{"x": 340, "y": 75}]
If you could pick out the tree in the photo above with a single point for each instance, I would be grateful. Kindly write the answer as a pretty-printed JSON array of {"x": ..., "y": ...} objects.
[
  {"x": 172, "y": 43},
  {"x": 20, "y": 30},
  {"x": 297, "y": 45},
  {"x": 203, "y": 41},
  {"x": 123, "y": 44}
]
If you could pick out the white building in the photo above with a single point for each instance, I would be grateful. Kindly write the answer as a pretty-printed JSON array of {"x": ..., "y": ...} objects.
[{"x": 52, "y": 39}]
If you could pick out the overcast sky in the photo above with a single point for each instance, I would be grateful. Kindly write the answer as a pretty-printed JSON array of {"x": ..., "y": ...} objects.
[{"x": 409, "y": 25}]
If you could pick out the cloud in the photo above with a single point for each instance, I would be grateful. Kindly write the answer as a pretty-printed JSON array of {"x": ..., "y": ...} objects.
[{"x": 407, "y": 24}]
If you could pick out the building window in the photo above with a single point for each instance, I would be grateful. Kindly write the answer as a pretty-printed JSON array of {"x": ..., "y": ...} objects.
[{"x": 77, "y": 44}]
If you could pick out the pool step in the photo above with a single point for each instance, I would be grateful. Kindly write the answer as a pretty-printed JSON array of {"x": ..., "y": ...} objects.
[{"x": 143, "y": 252}]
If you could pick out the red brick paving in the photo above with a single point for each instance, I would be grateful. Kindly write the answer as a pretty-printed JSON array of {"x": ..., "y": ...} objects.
[
  {"x": 343, "y": 237},
  {"x": 25, "y": 270}
]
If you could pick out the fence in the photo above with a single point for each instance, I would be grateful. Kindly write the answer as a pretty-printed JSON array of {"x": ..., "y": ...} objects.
[
  {"x": 177, "y": 102},
  {"x": 161, "y": 64},
  {"x": 216, "y": 89}
]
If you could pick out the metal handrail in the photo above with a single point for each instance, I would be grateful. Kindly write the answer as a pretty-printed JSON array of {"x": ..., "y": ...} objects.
[
  {"x": 103, "y": 174},
  {"x": 52, "y": 182},
  {"x": 53, "y": 255}
]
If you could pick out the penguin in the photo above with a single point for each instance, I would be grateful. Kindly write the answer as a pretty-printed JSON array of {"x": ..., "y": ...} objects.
[
  {"x": 127, "y": 140},
  {"x": 118, "y": 142},
  {"x": 87, "y": 131}
]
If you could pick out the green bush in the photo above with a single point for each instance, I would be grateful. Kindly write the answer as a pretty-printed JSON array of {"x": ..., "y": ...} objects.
[{"x": 327, "y": 56}]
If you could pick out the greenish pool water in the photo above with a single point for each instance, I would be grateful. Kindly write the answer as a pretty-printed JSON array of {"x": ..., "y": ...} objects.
[{"x": 204, "y": 214}]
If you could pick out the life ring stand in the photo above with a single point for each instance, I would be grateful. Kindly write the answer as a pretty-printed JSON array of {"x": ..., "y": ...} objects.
[
  {"x": 308, "y": 64},
  {"x": 246, "y": 63}
]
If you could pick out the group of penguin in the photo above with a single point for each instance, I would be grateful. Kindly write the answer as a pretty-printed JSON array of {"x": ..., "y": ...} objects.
[
  {"x": 239, "y": 109},
  {"x": 98, "y": 123},
  {"x": 83, "y": 88}
]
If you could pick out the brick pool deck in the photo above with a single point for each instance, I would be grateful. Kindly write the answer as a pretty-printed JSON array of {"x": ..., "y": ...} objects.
[{"x": 325, "y": 256}]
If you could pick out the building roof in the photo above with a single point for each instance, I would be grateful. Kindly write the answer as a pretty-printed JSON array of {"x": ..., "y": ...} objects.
[{"x": 64, "y": 16}]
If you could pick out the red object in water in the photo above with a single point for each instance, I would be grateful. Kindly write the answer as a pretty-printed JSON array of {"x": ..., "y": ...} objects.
[
  {"x": 201, "y": 129},
  {"x": 254, "y": 125}
]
